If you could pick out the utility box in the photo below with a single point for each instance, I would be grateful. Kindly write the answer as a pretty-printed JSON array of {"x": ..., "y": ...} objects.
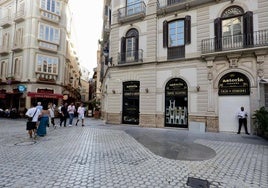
[{"x": 197, "y": 127}]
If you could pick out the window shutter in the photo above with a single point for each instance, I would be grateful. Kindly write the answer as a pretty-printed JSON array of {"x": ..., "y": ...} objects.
[
  {"x": 187, "y": 29},
  {"x": 165, "y": 34},
  {"x": 136, "y": 48},
  {"x": 248, "y": 28},
  {"x": 123, "y": 49},
  {"x": 218, "y": 34}
]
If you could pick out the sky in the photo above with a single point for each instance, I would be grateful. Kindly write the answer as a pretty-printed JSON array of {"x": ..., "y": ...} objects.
[{"x": 87, "y": 20}]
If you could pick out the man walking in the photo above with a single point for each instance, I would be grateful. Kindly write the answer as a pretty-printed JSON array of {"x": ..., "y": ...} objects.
[{"x": 32, "y": 114}]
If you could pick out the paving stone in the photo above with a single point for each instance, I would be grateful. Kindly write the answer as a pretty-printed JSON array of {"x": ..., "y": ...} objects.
[{"x": 106, "y": 156}]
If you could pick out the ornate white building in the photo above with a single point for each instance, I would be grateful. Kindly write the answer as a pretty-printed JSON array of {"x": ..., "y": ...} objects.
[
  {"x": 38, "y": 61},
  {"x": 185, "y": 63}
]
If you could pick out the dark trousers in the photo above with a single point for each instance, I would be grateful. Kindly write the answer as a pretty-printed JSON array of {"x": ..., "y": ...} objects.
[
  {"x": 243, "y": 121},
  {"x": 63, "y": 119}
]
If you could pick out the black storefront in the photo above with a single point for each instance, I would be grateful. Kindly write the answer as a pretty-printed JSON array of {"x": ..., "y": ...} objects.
[
  {"x": 176, "y": 103},
  {"x": 131, "y": 102}
]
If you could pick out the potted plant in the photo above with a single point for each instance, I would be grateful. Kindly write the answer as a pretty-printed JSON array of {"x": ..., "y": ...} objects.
[
  {"x": 260, "y": 118},
  {"x": 96, "y": 108}
]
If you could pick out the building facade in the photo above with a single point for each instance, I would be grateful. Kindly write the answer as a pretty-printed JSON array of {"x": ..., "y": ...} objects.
[
  {"x": 38, "y": 61},
  {"x": 185, "y": 63}
]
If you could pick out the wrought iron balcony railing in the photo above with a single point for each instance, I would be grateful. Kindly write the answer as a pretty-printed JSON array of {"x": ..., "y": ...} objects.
[
  {"x": 131, "y": 12},
  {"x": 130, "y": 57},
  {"x": 165, "y": 3},
  {"x": 233, "y": 42}
]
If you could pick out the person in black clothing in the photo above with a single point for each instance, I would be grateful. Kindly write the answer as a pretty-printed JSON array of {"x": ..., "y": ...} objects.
[
  {"x": 242, "y": 120},
  {"x": 64, "y": 114}
]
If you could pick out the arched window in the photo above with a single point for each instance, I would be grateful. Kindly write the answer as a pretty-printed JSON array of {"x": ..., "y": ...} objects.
[
  {"x": 17, "y": 66},
  {"x": 234, "y": 29},
  {"x": 130, "y": 46}
]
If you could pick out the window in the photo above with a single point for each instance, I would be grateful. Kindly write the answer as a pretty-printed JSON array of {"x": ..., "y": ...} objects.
[
  {"x": 47, "y": 64},
  {"x": 6, "y": 12},
  {"x": 3, "y": 69},
  {"x": 17, "y": 64},
  {"x": 234, "y": 29},
  {"x": 133, "y": 6},
  {"x": 5, "y": 41},
  {"x": 49, "y": 33},
  {"x": 130, "y": 46},
  {"x": 176, "y": 34},
  {"x": 18, "y": 37},
  {"x": 51, "y": 6}
]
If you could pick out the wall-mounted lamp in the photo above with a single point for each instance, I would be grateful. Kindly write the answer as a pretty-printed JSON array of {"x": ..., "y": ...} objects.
[
  {"x": 113, "y": 91},
  {"x": 187, "y": 6},
  {"x": 198, "y": 88},
  {"x": 146, "y": 90}
]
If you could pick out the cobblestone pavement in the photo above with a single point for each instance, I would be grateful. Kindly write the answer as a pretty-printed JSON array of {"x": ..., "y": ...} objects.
[{"x": 99, "y": 155}]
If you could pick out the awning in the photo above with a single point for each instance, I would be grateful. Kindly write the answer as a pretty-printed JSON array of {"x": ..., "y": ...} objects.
[{"x": 45, "y": 95}]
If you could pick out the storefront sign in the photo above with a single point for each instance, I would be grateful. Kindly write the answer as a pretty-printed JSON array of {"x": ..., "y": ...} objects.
[
  {"x": 234, "y": 83},
  {"x": 176, "y": 87},
  {"x": 45, "y": 95},
  {"x": 21, "y": 88}
]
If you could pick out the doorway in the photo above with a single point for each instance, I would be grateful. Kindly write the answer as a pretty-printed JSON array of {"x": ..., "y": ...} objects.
[
  {"x": 131, "y": 102},
  {"x": 176, "y": 103}
]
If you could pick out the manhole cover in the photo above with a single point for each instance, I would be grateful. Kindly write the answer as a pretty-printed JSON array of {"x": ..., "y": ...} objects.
[
  {"x": 25, "y": 143},
  {"x": 197, "y": 183}
]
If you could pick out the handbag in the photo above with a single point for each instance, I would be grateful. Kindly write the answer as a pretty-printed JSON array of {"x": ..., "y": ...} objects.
[{"x": 30, "y": 119}]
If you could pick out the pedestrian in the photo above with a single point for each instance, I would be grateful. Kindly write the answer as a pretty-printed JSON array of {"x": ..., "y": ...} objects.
[
  {"x": 32, "y": 114},
  {"x": 63, "y": 114},
  {"x": 81, "y": 114},
  {"x": 44, "y": 116},
  {"x": 242, "y": 120},
  {"x": 39, "y": 106},
  {"x": 71, "y": 111},
  {"x": 52, "y": 114}
]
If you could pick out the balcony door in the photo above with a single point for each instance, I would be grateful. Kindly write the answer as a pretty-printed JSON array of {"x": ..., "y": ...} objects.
[
  {"x": 130, "y": 46},
  {"x": 232, "y": 32},
  {"x": 133, "y": 7}
]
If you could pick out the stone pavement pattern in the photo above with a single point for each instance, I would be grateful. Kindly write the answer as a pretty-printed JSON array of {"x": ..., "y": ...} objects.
[{"x": 104, "y": 156}]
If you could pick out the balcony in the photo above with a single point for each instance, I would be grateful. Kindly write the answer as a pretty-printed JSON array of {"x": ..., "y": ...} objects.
[
  {"x": 167, "y": 6},
  {"x": 132, "y": 12},
  {"x": 130, "y": 57},
  {"x": 49, "y": 16},
  {"x": 6, "y": 22},
  {"x": 4, "y": 50},
  {"x": 46, "y": 78},
  {"x": 43, "y": 45},
  {"x": 17, "y": 47},
  {"x": 19, "y": 16},
  {"x": 258, "y": 39}
]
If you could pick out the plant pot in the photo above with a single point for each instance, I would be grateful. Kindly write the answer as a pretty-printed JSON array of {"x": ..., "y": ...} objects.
[{"x": 97, "y": 114}]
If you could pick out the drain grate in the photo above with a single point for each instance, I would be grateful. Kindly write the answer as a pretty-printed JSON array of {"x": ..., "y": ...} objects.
[
  {"x": 197, "y": 183},
  {"x": 25, "y": 143}
]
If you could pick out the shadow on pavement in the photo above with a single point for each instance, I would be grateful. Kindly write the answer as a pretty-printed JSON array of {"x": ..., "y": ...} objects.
[{"x": 171, "y": 147}]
